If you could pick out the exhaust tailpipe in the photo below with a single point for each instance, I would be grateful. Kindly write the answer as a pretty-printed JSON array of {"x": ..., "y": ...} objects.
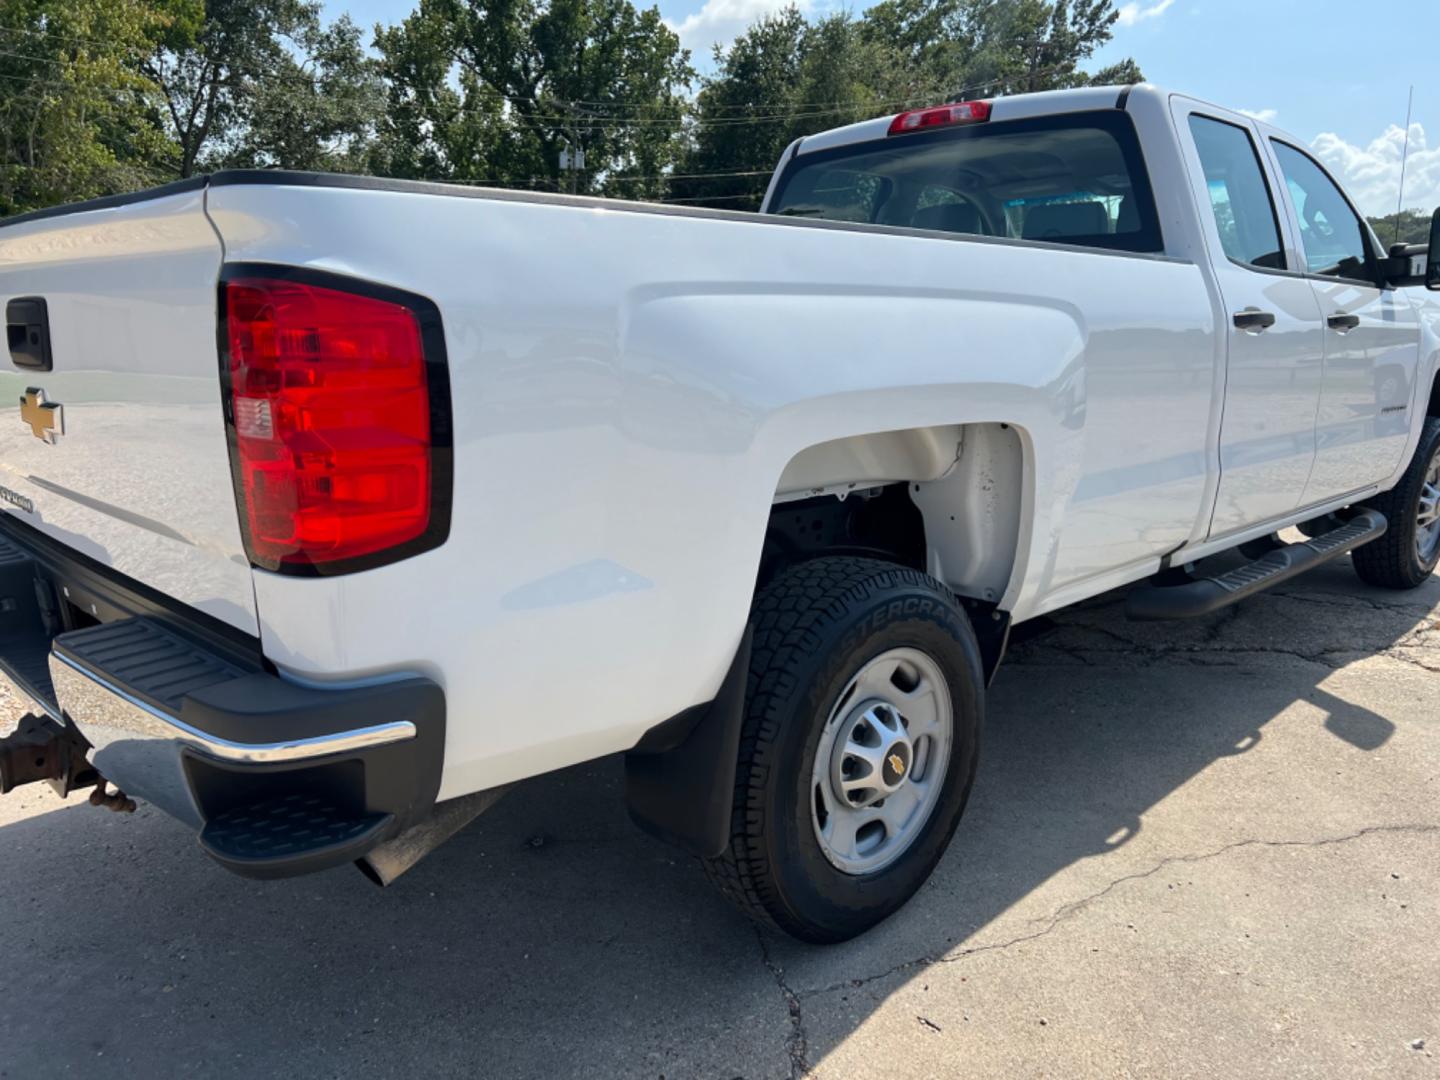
[{"x": 389, "y": 860}]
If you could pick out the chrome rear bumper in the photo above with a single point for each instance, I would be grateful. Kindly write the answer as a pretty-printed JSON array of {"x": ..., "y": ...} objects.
[
  {"x": 276, "y": 778},
  {"x": 139, "y": 747}
]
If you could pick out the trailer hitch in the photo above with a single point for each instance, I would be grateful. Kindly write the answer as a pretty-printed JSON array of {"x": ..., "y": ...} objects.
[{"x": 41, "y": 749}]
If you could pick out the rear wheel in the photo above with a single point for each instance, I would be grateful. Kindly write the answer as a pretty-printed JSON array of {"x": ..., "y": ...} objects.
[
  {"x": 859, "y": 747},
  {"x": 1410, "y": 549}
]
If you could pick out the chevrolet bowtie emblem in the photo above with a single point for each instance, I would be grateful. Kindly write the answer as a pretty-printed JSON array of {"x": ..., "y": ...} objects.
[
  {"x": 46, "y": 418},
  {"x": 898, "y": 764}
]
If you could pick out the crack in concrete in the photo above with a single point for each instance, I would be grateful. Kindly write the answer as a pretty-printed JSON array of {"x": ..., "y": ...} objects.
[
  {"x": 796, "y": 1043},
  {"x": 1347, "y": 602},
  {"x": 1195, "y": 652},
  {"x": 1068, "y": 911},
  {"x": 1223, "y": 622}
]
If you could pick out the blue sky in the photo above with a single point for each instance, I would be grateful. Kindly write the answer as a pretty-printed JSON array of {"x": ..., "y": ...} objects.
[{"x": 1333, "y": 72}]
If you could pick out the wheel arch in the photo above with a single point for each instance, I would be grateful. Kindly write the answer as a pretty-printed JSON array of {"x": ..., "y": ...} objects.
[{"x": 969, "y": 485}]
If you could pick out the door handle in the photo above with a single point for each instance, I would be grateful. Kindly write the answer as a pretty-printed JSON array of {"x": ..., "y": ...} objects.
[
  {"x": 27, "y": 332},
  {"x": 1253, "y": 320},
  {"x": 1343, "y": 322}
]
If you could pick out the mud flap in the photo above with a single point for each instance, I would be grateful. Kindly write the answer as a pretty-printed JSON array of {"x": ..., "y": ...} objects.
[{"x": 680, "y": 778}]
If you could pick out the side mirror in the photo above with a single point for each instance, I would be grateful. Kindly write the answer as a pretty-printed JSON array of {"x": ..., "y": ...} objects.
[
  {"x": 1432, "y": 257},
  {"x": 1409, "y": 265}
]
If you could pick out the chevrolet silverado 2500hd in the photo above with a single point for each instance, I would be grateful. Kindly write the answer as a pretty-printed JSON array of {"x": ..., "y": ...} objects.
[{"x": 333, "y": 505}]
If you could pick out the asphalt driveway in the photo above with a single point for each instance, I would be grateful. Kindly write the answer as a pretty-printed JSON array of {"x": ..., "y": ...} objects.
[{"x": 1207, "y": 849}]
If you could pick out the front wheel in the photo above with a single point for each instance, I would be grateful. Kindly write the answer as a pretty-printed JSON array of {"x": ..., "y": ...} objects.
[
  {"x": 1407, "y": 554},
  {"x": 859, "y": 746}
]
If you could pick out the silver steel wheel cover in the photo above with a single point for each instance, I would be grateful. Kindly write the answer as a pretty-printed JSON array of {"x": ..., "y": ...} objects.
[
  {"x": 881, "y": 761},
  {"x": 1427, "y": 512}
]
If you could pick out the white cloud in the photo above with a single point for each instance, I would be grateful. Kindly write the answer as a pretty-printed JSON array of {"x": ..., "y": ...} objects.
[
  {"x": 723, "y": 21},
  {"x": 1265, "y": 116},
  {"x": 1132, "y": 13},
  {"x": 1372, "y": 173}
]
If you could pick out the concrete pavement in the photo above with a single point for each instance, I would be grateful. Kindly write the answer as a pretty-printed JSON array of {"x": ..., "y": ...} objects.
[{"x": 1207, "y": 849}]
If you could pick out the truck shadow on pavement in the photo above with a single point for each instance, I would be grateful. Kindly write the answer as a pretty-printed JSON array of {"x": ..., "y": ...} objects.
[{"x": 553, "y": 939}]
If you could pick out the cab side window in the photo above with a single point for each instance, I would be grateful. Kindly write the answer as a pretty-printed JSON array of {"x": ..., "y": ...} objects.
[
  {"x": 1331, "y": 234},
  {"x": 1239, "y": 196}
]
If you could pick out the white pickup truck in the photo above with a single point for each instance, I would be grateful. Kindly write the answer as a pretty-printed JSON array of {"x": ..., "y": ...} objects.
[{"x": 333, "y": 505}]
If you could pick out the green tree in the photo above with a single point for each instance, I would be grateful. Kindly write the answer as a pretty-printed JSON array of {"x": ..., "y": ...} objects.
[
  {"x": 441, "y": 122},
  {"x": 105, "y": 95},
  {"x": 1414, "y": 227},
  {"x": 963, "y": 48},
  {"x": 781, "y": 79},
  {"x": 520, "y": 81},
  {"x": 264, "y": 82},
  {"x": 848, "y": 75},
  {"x": 318, "y": 110},
  {"x": 209, "y": 65},
  {"x": 76, "y": 117},
  {"x": 786, "y": 77},
  {"x": 1030, "y": 45},
  {"x": 742, "y": 114}
]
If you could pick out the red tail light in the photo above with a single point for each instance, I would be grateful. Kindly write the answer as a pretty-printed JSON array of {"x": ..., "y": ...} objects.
[
  {"x": 335, "y": 440},
  {"x": 962, "y": 112}
]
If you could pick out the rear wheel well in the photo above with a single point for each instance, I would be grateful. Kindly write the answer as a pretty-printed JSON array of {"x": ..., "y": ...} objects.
[
  {"x": 1433, "y": 408},
  {"x": 947, "y": 500},
  {"x": 879, "y": 523}
]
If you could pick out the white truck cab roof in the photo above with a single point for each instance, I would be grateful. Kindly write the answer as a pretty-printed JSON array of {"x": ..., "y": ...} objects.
[{"x": 1014, "y": 107}]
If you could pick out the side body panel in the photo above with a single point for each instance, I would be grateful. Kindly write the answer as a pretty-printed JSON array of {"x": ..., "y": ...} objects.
[
  {"x": 1364, "y": 417},
  {"x": 1365, "y": 414},
  {"x": 140, "y": 480},
  {"x": 628, "y": 388},
  {"x": 1274, "y": 375}
]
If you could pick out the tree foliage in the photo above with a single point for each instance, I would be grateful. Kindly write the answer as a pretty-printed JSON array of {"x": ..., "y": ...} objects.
[
  {"x": 263, "y": 82},
  {"x": 318, "y": 108},
  {"x": 1414, "y": 227},
  {"x": 504, "y": 86},
  {"x": 786, "y": 76},
  {"x": 99, "y": 96},
  {"x": 77, "y": 118}
]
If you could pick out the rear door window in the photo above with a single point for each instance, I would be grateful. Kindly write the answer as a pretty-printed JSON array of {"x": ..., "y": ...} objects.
[
  {"x": 1070, "y": 179},
  {"x": 1239, "y": 196}
]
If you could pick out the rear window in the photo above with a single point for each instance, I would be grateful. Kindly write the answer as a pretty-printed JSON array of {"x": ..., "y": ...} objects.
[{"x": 1072, "y": 179}]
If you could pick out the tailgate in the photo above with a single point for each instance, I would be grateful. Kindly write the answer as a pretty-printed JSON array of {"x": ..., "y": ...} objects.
[{"x": 133, "y": 469}]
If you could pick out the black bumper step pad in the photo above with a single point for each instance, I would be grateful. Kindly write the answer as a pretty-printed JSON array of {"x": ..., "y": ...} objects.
[
  {"x": 263, "y": 839},
  {"x": 149, "y": 661}
]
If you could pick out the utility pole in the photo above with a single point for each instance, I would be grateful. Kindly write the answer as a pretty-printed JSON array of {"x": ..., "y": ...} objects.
[{"x": 573, "y": 159}]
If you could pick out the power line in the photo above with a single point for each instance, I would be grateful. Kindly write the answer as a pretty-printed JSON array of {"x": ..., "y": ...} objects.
[
  {"x": 24, "y": 31},
  {"x": 593, "y": 123},
  {"x": 533, "y": 180},
  {"x": 1039, "y": 72},
  {"x": 693, "y": 176},
  {"x": 27, "y": 56},
  {"x": 715, "y": 198},
  {"x": 597, "y": 122}
]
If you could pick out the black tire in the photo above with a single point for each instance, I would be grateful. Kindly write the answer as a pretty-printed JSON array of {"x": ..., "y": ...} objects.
[
  {"x": 815, "y": 626},
  {"x": 1393, "y": 562}
]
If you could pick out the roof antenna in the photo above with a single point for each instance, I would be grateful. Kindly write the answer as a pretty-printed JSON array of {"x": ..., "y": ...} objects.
[{"x": 1404, "y": 154}]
